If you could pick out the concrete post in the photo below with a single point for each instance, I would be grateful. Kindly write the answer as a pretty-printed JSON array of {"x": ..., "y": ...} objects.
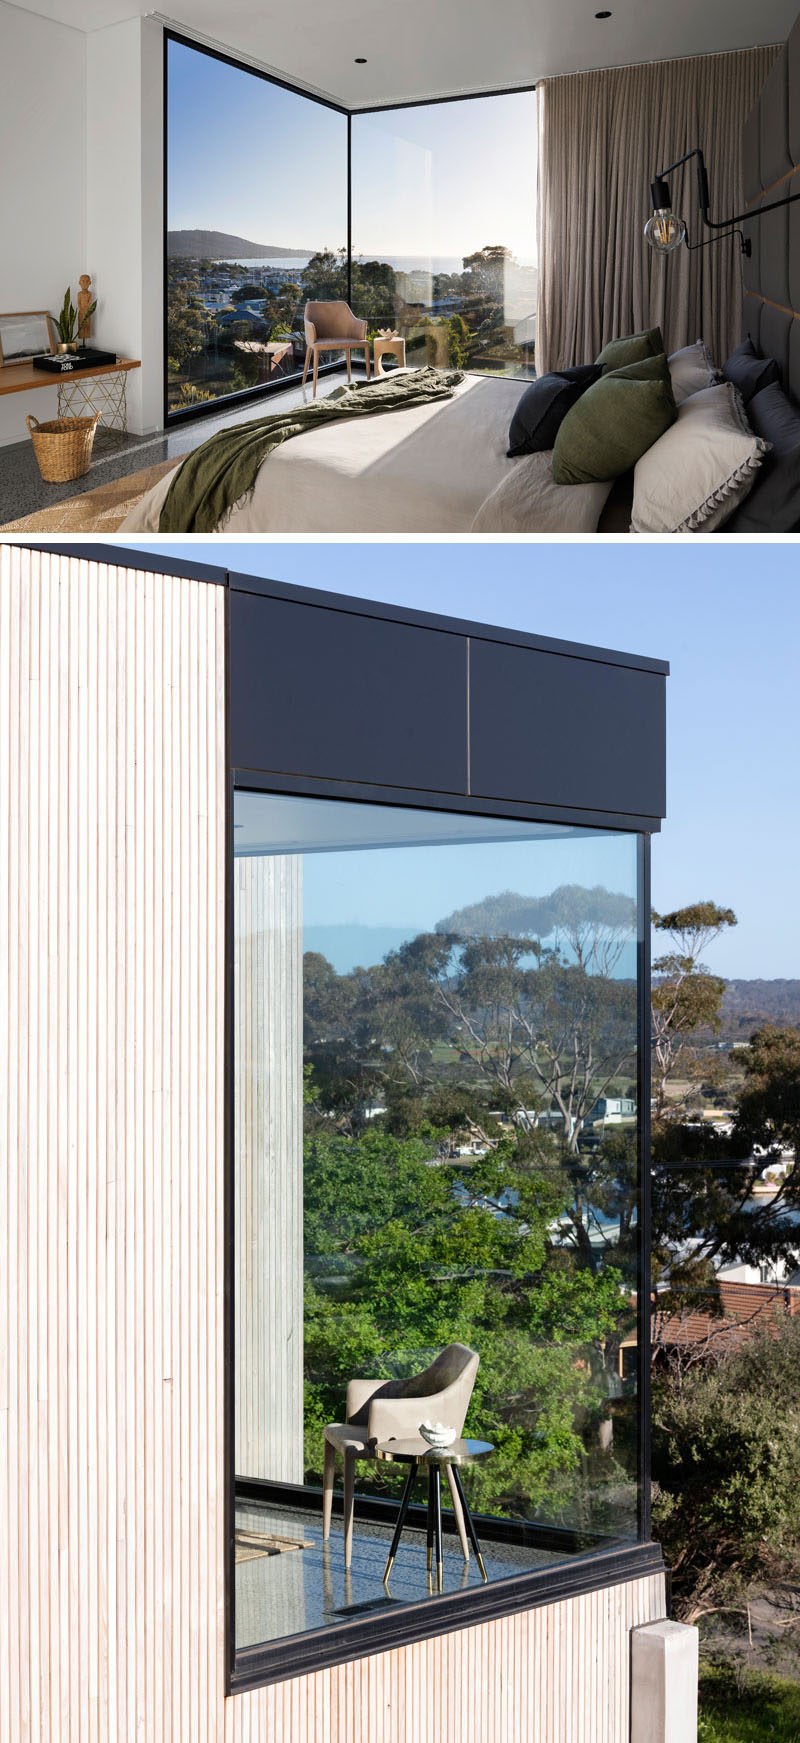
[{"x": 664, "y": 1657}]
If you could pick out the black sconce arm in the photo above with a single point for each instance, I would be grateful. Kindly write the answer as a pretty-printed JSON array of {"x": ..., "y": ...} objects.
[{"x": 659, "y": 189}]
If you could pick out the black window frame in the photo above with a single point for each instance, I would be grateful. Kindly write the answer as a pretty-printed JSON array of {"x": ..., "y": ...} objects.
[
  {"x": 586, "y": 1569},
  {"x": 265, "y": 390}
]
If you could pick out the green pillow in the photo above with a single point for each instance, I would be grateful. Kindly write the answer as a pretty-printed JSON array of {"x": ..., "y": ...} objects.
[
  {"x": 618, "y": 352},
  {"x": 614, "y": 422}
]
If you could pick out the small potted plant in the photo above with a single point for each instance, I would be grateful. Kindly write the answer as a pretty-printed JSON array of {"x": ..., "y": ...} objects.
[{"x": 68, "y": 326}]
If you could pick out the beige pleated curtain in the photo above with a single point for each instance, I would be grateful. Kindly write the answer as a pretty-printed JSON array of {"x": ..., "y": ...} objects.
[{"x": 602, "y": 137}]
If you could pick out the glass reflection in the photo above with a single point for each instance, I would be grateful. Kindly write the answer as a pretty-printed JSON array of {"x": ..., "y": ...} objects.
[{"x": 436, "y": 1145}]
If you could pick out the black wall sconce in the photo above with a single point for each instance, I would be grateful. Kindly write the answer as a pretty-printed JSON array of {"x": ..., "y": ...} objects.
[{"x": 665, "y": 231}]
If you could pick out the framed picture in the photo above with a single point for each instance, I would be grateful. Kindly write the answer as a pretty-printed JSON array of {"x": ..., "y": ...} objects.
[{"x": 25, "y": 336}]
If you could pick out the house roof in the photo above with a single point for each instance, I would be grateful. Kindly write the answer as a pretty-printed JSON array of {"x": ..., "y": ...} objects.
[{"x": 725, "y": 1316}]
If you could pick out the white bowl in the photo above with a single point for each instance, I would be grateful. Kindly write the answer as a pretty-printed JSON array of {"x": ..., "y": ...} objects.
[{"x": 437, "y": 1435}]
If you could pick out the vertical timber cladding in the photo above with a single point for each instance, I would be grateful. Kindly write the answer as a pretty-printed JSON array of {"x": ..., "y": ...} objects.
[
  {"x": 112, "y": 1481},
  {"x": 268, "y": 1167}
]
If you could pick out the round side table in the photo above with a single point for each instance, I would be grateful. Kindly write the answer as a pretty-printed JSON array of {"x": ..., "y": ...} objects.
[
  {"x": 388, "y": 348},
  {"x": 415, "y": 1453}
]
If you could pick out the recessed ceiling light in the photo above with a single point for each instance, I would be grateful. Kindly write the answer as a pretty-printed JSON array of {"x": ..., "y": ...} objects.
[
  {"x": 360, "y": 60},
  {"x": 602, "y": 15}
]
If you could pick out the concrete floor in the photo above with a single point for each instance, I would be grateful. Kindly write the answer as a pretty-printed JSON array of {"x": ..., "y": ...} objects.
[{"x": 23, "y": 490}]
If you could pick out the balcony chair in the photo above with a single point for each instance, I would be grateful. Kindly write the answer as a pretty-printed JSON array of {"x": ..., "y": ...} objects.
[
  {"x": 379, "y": 1410},
  {"x": 333, "y": 327}
]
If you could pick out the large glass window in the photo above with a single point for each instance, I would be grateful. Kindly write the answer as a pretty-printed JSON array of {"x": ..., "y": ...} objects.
[
  {"x": 443, "y": 202},
  {"x": 256, "y": 224},
  {"x": 444, "y": 229},
  {"x": 435, "y": 1159}
]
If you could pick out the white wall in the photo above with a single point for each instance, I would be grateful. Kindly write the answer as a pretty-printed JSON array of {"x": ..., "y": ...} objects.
[
  {"x": 124, "y": 202},
  {"x": 42, "y": 210},
  {"x": 81, "y": 121}
]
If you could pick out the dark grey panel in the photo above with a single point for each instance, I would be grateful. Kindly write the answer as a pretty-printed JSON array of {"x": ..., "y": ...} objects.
[
  {"x": 565, "y": 731},
  {"x": 271, "y": 589},
  {"x": 794, "y": 361},
  {"x": 776, "y": 326},
  {"x": 751, "y": 156},
  {"x": 794, "y": 246},
  {"x": 770, "y": 149},
  {"x": 774, "y": 256},
  {"x": 336, "y": 694},
  {"x": 751, "y": 319},
  {"x": 774, "y": 113},
  {"x": 793, "y": 64},
  {"x": 751, "y": 265}
]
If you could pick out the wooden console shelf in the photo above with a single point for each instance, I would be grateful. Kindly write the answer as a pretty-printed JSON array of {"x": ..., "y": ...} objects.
[
  {"x": 76, "y": 395},
  {"x": 21, "y": 377}
]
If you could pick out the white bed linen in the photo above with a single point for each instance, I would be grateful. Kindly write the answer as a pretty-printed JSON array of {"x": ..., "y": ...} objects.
[{"x": 426, "y": 469}]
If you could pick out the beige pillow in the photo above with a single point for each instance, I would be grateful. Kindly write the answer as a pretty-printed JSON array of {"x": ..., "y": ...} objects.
[
  {"x": 691, "y": 369},
  {"x": 699, "y": 471},
  {"x": 529, "y": 501}
]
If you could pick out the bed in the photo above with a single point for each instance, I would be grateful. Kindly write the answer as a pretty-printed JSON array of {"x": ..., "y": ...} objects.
[{"x": 425, "y": 469}]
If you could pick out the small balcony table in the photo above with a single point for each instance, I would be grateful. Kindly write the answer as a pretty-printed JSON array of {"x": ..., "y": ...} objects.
[
  {"x": 414, "y": 1453},
  {"x": 388, "y": 348}
]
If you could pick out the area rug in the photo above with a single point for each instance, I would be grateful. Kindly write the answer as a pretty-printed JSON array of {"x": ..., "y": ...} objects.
[
  {"x": 250, "y": 1544},
  {"x": 101, "y": 510}
]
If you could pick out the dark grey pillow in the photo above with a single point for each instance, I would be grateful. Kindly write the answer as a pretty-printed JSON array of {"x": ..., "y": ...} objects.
[
  {"x": 543, "y": 407},
  {"x": 773, "y": 504},
  {"x": 749, "y": 372}
]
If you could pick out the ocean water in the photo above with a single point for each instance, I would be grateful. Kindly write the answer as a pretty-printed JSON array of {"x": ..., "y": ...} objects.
[{"x": 401, "y": 263}]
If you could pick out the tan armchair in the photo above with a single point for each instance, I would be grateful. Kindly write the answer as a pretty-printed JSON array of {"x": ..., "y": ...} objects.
[
  {"x": 333, "y": 327},
  {"x": 381, "y": 1410}
]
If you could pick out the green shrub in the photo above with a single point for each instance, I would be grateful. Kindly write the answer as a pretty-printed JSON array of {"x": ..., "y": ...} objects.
[
  {"x": 747, "y": 1708},
  {"x": 726, "y": 1453}
]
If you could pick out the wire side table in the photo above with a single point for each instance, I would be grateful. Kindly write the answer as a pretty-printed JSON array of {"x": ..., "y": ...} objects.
[
  {"x": 415, "y": 1453},
  {"x": 84, "y": 394}
]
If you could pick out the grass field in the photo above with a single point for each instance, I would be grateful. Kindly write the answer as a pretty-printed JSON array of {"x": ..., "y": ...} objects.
[{"x": 751, "y": 1709}]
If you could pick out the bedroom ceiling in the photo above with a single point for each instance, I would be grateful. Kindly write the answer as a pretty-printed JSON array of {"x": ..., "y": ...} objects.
[{"x": 427, "y": 50}]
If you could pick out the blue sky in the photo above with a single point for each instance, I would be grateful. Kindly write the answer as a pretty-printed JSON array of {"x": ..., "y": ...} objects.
[
  {"x": 250, "y": 158},
  {"x": 727, "y": 617}
]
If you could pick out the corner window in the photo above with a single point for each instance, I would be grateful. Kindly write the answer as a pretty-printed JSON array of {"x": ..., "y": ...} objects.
[
  {"x": 435, "y": 1207},
  {"x": 444, "y": 229},
  {"x": 256, "y": 202}
]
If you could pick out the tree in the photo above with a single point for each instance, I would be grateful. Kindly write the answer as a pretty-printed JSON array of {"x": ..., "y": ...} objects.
[
  {"x": 325, "y": 276},
  {"x": 685, "y": 997},
  {"x": 769, "y": 1104},
  {"x": 248, "y": 293},
  {"x": 726, "y": 1451},
  {"x": 403, "y": 1258}
]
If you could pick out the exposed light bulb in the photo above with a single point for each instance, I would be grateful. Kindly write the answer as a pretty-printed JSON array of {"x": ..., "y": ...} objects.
[{"x": 664, "y": 231}]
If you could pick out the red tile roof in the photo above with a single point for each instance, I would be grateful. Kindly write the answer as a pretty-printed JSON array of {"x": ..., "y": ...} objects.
[{"x": 725, "y": 1315}]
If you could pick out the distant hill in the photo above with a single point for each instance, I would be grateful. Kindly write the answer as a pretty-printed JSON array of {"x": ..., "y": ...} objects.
[
  {"x": 217, "y": 245},
  {"x": 748, "y": 1003}
]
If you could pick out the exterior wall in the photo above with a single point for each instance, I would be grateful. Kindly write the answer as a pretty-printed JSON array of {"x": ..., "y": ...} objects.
[
  {"x": 268, "y": 1238},
  {"x": 112, "y": 856}
]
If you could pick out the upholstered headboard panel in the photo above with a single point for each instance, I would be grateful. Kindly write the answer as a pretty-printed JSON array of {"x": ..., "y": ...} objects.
[{"x": 771, "y": 166}]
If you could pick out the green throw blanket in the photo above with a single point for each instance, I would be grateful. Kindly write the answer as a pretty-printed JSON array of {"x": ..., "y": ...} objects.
[{"x": 224, "y": 469}]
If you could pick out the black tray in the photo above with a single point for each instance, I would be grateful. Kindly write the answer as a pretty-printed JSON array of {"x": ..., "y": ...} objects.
[{"x": 65, "y": 363}]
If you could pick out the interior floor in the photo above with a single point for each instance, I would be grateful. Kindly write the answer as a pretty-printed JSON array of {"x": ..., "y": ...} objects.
[
  {"x": 278, "y": 1595},
  {"x": 114, "y": 455}
]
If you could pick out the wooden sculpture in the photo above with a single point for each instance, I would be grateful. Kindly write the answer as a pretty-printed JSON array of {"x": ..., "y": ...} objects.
[{"x": 85, "y": 300}]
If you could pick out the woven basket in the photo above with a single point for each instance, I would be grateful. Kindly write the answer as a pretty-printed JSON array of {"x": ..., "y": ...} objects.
[{"x": 63, "y": 448}]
